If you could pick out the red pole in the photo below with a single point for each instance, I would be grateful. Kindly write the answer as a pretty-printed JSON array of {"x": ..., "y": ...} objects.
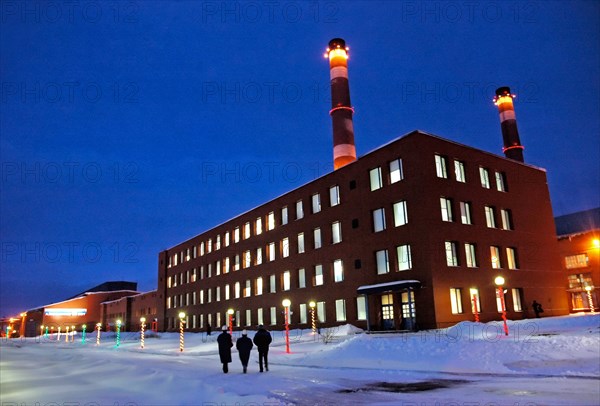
[
  {"x": 501, "y": 294},
  {"x": 475, "y": 310},
  {"x": 231, "y": 324},
  {"x": 287, "y": 331}
]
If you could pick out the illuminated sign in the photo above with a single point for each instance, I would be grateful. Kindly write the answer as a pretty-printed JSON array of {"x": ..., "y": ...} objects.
[{"x": 65, "y": 312}]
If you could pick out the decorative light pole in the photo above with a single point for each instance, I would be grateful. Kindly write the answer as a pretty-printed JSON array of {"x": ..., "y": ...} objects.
[
  {"x": 142, "y": 326},
  {"x": 46, "y": 332},
  {"x": 589, "y": 289},
  {"x": 118, "y": 332},
  {"x": 83, "y": 334},
  {"x": 475, "y": 308},
  {"x": 58, "y": 334},
  {"x": 41, "y": 330},
  {"x": 312, "y": 305},
  {"x": 72, "y": 334},
  {"x": 181, "y": 321},
  {"x": 230, "y": 321},
  {"x": 286, "y": 304},
  {"x": 67, "y": 335},
  {"x": 22, "y": 327},
  {"x": 98, "y": 328},
  {"x": 499, "y": 281}
]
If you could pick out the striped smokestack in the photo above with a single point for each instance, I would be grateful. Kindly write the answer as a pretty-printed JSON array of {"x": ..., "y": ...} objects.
[
  {"x": 341, "y": 112},
  {"x": 510, "y": 135}
]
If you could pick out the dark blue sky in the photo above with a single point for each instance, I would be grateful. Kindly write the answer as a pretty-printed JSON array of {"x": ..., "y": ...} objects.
[{"x": 128, "y": 127}]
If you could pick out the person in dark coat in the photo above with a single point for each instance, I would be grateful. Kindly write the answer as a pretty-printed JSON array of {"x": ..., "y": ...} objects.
[
  {"x": 262, "y": 339},
  {"x": 208, "y": 329},
  {"x": 537, "y": 309},
  {"x": 244, "y": 346},
  {"x": 225, "y": 344}
]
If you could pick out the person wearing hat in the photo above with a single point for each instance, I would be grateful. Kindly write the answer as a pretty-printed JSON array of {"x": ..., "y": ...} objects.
[
  {"x": 225, "y": 344},
  {"x": 244, "y": 346},
  {"x": 262, "y": 339}
]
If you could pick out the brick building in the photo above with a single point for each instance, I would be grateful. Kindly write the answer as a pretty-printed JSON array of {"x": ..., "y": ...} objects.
[{"x": 410, "y": 235}]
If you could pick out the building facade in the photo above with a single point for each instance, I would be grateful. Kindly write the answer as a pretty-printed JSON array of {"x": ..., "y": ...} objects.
[
  {"x": 579, "y": 248},
  {"x": 409, "y": 236}
]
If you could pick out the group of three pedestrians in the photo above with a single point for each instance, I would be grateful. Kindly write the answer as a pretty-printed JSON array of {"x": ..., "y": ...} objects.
[{"x": 244, "y": 345}]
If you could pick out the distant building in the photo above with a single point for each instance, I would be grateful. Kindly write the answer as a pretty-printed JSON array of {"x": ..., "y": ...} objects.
[
  {"x": 130, "y": 309},
  {"x": 411, "y": 235},
  {"x": 579, "y": 247}
]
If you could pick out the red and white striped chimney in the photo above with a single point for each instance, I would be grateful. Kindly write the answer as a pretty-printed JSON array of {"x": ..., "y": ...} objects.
[
  {"x": 510, "y": 135},
  {"x": 344, "y": 150}
]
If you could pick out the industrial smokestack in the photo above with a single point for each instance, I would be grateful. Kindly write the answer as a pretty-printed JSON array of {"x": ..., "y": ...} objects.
[
  {"x": 510, "y": 135},
  {"x": 341, "y": 112}
]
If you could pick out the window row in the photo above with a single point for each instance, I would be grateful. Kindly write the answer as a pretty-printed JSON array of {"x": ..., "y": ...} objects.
[
  {"x": 442, "y": 170},
  {"x": 457, "y": 300},
  {"x": 447, "y": 211},
  {"x": 395, "y": 174},
  {"x": 453, "y": 259}
]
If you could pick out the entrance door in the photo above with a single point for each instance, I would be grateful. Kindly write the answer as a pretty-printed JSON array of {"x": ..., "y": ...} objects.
[
  {"x": 408, "y": 310},
  {"x": 387, "y": 311}
]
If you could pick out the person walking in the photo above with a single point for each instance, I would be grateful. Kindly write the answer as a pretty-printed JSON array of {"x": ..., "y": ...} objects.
[
  {"x": 244, "y": 346},
  {"x": 225, "y": 344},
  {"x": 262, "y": 339},
  {"x": 537, "y": 309},
  {"x": 208, "y": 329}
]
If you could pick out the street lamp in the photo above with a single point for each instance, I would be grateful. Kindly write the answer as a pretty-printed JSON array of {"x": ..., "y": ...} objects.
[
  {"x": 118, "y": 332},
  {"x": 181, "y": 321},
  {"x": 83, "y": 334},
  {"x": 286, "y": 304},
  {"x": 143, "y": 324},
  {"x": 312, "y": 305},
  {"x": 499, "y": 281},
  {"x": 230, "y": 320},
  {"x": 589, "y": 289},
  {"x": 98, "y": 327}
]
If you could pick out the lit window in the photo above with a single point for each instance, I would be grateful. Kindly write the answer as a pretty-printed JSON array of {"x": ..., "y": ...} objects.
[
  {"x": 209, "y": 246},
  {"x": 303, "y": 318},
  {"x": 270, "y": 221},
  {"x": 361, "y": 308},
  {"x": 273, "y": 315},
  {"x": 194, "y": 251},
  {"x": 300, "y": 243},
  {"x": 318, "y": 275},
  {"x": 316, "y": 203},
  {"x": 218, "y": 268},
  {"x": 209, "y": 296},
  {"x": 383, "y": 263},
  {"x": 217, "y": 243},
  {"x": 247, "y": 230},
  {"x": 517, "y": 294},
  {"x": 236, "y": 234},
  {"x": 375, "y": 179},
  {"x": 286, "y": 280},
  {"x": 236, "y": 262},
  {"x": 226, "y": 265},
  {"x": 470, "y": 255},
  {"x": 202, "y": 272},
  {"x": 446, "y": 207},
  {"x": 484, "y": 176},
  {"x": 285, "y": 247},
  {"x": 284, "y": 216},
  {"x": 169, "y": 282},
  {"x": 459, "y": 172},
  {"x": 465, "y": 213},
  {"x": 272, "y": 286},
  {"x": 456, "y": 300},
  {"x": 451, "y": 257},
  {"x": 400, "y": 214},
  {"x": 321, "y": 312},
  {"x": 334, "y": 196},
  {"x": 247, "y": 259},
  {"x": 259, "y": 286},
  {"x": 317, "y": 236},
  {"x": 511, "y": 258},
  {"x": 247, "y": 290},
  {"x": 474, "y": 299},
  {"x": 396, "y": 174},
  {"x": 340, "y": 310},
  {"x": 500, "y": 181},
  {"x": 227, "y": 239},
  {"x": 338, "y": 270},
  {"x": 404, "y": 257},
  {"x": 209, "y": 271},
  {"x": 299, "y": 210},
  {"x": 440, "y": 167},
  {"x": 202, "y": 248},
  {"x": 259, "y": 257},
  {"x": 336, "y": 230},
  {"x": 506, "y": 216},
  {"x": 271, "y": 251},
  {"x": 490, "y": 219},
  {"x": 495, "y": 257},
  {"x": 378, "y": 220},
  {"x": 237, "y": 290},
  {"x": 218, "y": 294},
  {"x": 576, "y": 261},
  {"x": 258, "y": 226},
  {"x": 259, "y": 316},
  {"x": 248, "y": 317},
  {"x": 301, "y": 278},
  {"x": 227, "y": 292},
  {"x": 201, "y": 296}
]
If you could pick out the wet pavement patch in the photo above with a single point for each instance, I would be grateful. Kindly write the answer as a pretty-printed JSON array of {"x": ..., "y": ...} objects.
[{"x": 400, "y": 387}]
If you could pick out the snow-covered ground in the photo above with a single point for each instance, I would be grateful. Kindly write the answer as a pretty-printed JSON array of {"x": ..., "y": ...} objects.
[{"x": 549, "y": 361}]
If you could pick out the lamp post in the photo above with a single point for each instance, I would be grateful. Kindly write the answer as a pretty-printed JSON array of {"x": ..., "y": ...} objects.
[
  {"x": 83, "y": 334},
  {"x": 22, "y": 327},
  {"x": 72, "y": 334},
  {"x": 58, "y": 334},
  {"x": 286, "y": 304},
  {"x": 499, "y": 281},
  {"x": 589, "y": 289},
  {"x": 312, "y": 305},
  {"x": 118, "y": 332},
  {"x": 230, "y": 321},
  {"x": 10, "y": 327},
  {"x": 41, "y": 330},
  {"x": 181, "y": 321},
  {"x": 67, "y": 334},
  {"x": 98, "y": 328},
  {"x": 143, "y": 324}
]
